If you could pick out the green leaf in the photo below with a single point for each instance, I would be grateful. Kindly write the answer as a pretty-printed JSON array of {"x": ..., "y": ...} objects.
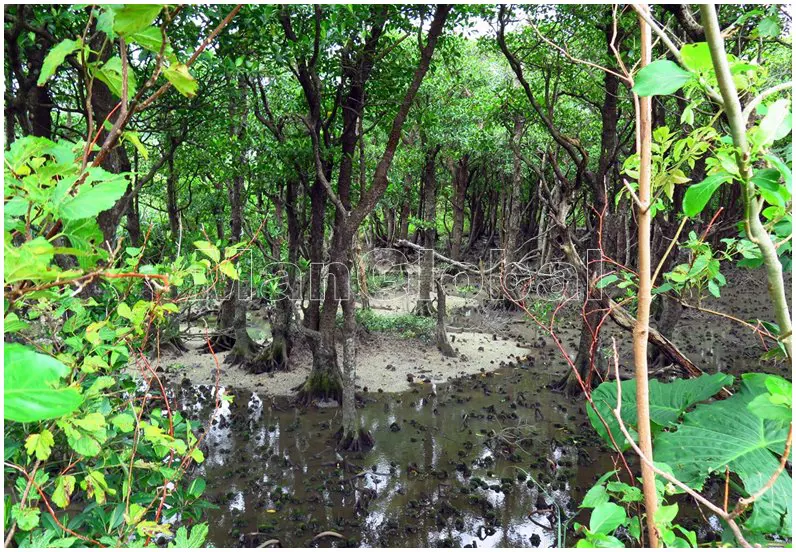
[
  {"x": 40, "y": 444},
  {"x": 696, "y": 56},
  {"x": 32, "y": 390},
  {"x": 665, "y": 515},
  {"x": 228, "y": 269},
  {"x": 150, "y": 39},
  {"x": 208, "y": 249},
  {"x": 132, "y": 137},
  {"x": 91, "y": 200},
  {"x": 628, "y": 493},
  {"x": 124, "y": 422},
  {"x": 55, "y": 57},
  {"x": 697, "y": 196},
  {"x": 64, "y": 487},
  {"x": 195, "y": 540},
  {"x": 178, "y": 75},
  {"x": 606, "y": 281},
  {"x": 96, "y": 486},
  {"x": 727, "y": 433},
  {"x": 660, "y": 78},
  {"x": 777, "y": 112},
  {"x": 766, "y": 179},
  {"x": 765, "y": 409},
  {"x": 197, "y": 487},
  {"x": 668, "y": 401},
  {"x": 783, "y": 169},
  {"x": 111, "y": 74},
  {"x": 13, "y": 324},
  {"x": 597, "y": 495},
  {"x": 26, "y": 518},
  {"x": 606, "y": 517},
  {"x": 768, "y": 26},
  {"x": 133, "y": 18}
]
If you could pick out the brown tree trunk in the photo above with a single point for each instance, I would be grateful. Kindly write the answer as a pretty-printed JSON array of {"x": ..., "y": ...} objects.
[
  {"x": 460, "y": 174},
  {"x": 513, "y": 201},
  {"x": 424, "y": 305}
]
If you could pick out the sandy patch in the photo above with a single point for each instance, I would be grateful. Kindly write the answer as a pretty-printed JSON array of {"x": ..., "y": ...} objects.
[{"x": 384, "y": 363}]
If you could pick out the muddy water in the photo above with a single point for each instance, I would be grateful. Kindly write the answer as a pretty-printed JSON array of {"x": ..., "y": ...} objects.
[{"x": 446, "y": 469}]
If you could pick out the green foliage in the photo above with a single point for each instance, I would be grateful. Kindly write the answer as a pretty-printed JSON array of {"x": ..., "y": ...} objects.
[
  {"x": 407, "y": 325},
  {"x": 660, "y": 78},
  {"x": 33, "y": 390},
  {"x": 668, "y": 401},
  {"x": 730, "y": 433},
  {"x": 78, "y": 426},
  {"x": 745, "y": 433}
]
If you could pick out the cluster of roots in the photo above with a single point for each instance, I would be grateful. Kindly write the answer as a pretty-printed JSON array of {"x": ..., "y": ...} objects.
[{"x": 354, "y": 441}]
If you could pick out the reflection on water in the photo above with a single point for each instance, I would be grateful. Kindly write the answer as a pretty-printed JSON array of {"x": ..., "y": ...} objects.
[{"x": 492, "y": 460}]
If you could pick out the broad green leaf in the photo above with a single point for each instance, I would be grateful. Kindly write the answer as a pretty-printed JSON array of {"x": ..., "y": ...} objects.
[
  {"x": 727, "y": 433},
  {"x": 606, "y": 281},
  {"x": 40, "y": 444},
  {"x": 595, "y": 496},
  {"x": 765, "y": 409},
  {"x": 133, "y": 18},
  {"x": 123, "y": 422},
  {"x": 660, "y": 78},
  {"x": 12, "y": 323},
  {"x": 783, "y": 169},
  {"x": 195, "y": 540},
  {"x": 150, "y": 39},
  {"x": 55, "y": 57},
  {"x": 197, "y": 487},
  {"x": 178, "y": 75},
  {"x": 628, "y": 493},
  {"x": 766, "y": 179},
  {"x": 228, "y": 269},
  {"x": 96, "y": 486},
  {"x": 91, "y": 200},
  {"x": 768, "y": 26},
  {"x": 32, "y": 390},
  {"x": 606, "y": 517},
  {"x": 668, "y": 401},
  {"x": 697, "y": 196},
  {"x": 666, "y": 514},
  {"x": 696, "y": 56},
  {"x": 27, "y": 518}
]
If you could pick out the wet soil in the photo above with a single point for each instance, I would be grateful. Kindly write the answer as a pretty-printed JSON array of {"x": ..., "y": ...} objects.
[{"x": 492, "y": 458}]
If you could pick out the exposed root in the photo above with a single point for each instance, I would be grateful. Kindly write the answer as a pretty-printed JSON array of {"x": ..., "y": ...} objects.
[
  {"x": 320, "y": 385},
  {"x": 220, "y": 343},
  {"x": 349, "y": 442},
  {"x": 424, "y": 308},
  {"x": 273, "y": 358}
]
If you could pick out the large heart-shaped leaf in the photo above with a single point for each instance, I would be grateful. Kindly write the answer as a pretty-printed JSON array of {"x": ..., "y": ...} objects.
[
  {"x": 728, "y": 433},
  {"x": 32, "y": 386},
  {"x": 668, "y": 401}
]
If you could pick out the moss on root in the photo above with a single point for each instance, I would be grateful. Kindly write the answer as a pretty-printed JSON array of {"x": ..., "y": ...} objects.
[{"x": 320, "y": 385}]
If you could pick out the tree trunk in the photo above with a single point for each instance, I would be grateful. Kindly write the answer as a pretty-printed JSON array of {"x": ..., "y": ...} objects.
[
  {"x": 513, "y": 201},
  {"x": 424, "y": 305},
  {"x": 460, "y": 173},
  {"x": 440, "y": 336}
]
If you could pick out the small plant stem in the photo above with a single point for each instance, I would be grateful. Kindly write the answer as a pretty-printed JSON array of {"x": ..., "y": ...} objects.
[
  {"x": 752, "y": 205},
  {"x": 641, "y": 329}
]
